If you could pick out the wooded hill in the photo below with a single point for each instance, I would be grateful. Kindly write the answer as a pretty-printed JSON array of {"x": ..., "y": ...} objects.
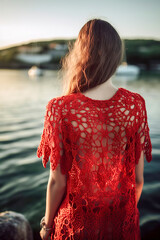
[{"x": 141, "y": 52}]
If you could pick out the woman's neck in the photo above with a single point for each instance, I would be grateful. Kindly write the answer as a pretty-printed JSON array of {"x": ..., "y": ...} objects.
[{"x": 103, "y": 91}]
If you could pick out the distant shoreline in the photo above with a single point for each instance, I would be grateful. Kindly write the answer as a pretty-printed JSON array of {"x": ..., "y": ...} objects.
[
  {"x": 56, "y": 68},
  {"x": 48, "y": 54}
]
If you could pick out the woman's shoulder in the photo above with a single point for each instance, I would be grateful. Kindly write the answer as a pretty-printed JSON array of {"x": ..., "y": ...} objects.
[
  {"x": 56, "y": 100},
  {"x": 132, "y": 95},
  {"x": 61, "y": 101}
]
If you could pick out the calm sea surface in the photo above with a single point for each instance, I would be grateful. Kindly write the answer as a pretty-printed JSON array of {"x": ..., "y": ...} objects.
[{"x": 23, "y": 180}]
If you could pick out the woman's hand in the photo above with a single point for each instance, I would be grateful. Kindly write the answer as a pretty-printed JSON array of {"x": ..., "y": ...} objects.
[{"x": 45, "y": 235}]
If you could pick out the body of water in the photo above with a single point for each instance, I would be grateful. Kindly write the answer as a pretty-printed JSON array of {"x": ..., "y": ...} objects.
[{"x": 23, "y": 180}]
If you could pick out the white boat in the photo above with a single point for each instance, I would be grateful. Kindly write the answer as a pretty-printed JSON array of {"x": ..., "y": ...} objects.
[
  {"x": 126, "y": 69},
  {"x": 35, "y": 71},
  {"x": 34, "y": 58}
]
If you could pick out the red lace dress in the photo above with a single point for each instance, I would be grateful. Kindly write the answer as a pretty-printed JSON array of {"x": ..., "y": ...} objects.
[{"x": 97, "y": 144}]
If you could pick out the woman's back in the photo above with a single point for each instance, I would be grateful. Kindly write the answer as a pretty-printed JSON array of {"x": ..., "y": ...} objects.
[{"x": 98, "y": 144}]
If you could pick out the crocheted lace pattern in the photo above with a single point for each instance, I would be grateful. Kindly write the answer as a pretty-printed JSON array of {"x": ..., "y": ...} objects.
[{"x": 97, "y": 144}]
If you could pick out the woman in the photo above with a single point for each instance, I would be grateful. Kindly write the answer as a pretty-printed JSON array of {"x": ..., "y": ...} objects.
[{"x": 96, "y": 136}]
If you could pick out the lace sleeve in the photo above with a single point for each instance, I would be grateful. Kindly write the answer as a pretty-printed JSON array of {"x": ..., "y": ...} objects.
[
  {"x": 51, "y": 144},
  {"x": 143, "y": 141}
]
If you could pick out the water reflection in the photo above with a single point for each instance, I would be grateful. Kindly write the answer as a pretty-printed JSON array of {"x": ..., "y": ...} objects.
[{"x": 22, "y": 109}]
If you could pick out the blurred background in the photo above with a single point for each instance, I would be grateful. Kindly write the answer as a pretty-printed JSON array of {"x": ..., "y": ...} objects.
[{"x": 34, "y": 36}]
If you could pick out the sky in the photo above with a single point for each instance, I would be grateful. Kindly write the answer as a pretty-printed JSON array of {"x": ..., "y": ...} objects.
[{"x": 22, "y": 21}]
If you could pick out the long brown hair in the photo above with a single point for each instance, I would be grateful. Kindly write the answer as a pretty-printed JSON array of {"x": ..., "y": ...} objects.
[{"x": 93, "y": 58}]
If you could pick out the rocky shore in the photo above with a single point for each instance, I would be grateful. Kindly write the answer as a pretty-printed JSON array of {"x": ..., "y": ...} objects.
[{"x": 14, "y": 226}]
